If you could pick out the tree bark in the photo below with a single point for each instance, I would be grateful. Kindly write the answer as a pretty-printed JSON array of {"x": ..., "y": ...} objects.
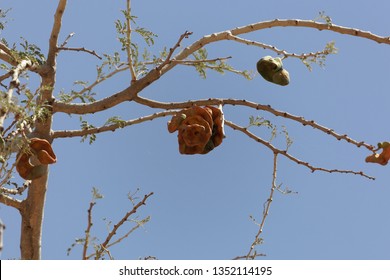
[{"x": 32, "y": 219}]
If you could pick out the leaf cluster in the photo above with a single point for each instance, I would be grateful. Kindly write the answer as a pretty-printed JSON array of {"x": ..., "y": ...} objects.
[
  {"x": 86, "y": 126},
  {"x": 201, "y": 63},
  {"x": 320, "y": 57},
  {"x": 262, "y": 122},
  {"x": 29, "y": 51},
  {"x": 3, "y": 15}
]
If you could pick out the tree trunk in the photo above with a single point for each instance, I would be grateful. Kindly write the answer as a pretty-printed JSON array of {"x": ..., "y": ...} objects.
[{"x": 32, "y": 219}]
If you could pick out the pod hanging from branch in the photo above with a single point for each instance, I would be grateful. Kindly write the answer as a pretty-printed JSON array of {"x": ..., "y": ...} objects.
[
  {"x": 271, "y": 69},
  {"x": 32, "y": 162},
  {"x": 382, "y": 158},
  {"x": 200, "y": 130}
]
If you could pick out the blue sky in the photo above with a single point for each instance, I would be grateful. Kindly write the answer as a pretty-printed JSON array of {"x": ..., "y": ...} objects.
[{"x": 201, "y": 204}]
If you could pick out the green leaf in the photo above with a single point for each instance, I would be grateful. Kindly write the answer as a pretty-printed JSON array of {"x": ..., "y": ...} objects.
[
  {"x": 115, "y": 120},
  {"x": 96, "y": 194}
]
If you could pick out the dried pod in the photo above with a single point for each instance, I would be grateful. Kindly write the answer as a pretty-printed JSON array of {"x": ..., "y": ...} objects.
[
  {"x": 382, "y": 158},
  {"x": 42, "y": 150},
  {"x": 200, "y": 130},
  {"x": 271, "y": 69}
]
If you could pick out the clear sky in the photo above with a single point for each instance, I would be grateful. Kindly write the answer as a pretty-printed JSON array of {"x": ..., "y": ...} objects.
[{"x": 201, "y": 204}]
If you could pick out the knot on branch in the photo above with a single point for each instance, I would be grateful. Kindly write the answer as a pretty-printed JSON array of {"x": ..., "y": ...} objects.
[
  {"x": 200, "y": 130},
  {"x": 33, "y": 160}
]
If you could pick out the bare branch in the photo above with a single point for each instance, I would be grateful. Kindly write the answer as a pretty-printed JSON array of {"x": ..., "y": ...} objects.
[
  {"x": 9, "y": 201},
  {"x": 5, "y": 76},
  {"x": 80, "y": 50},
  {"x": 257, "y": 240},
  {"x": 104, "y": 245},
  {"x": 88, "y": 230},
  {"x": 18, "y": 190},
  {"x": 67, "y": 39},
  {"x": 257, "y": 106},
  {"x": 252, "y": 256},
  {"x": 275, "y": 49},
  {"x": 53, "y": 49},
  {"x": 102, "y": 79},
  {"x": 294, "y": 159},
  {"x": 172, "y": 50},
  {"x": 7, "y": 58},
  {"x": 194, "y": 62},
  {"x": 139, "y": 224},
  {"x": 6, "y": 55},
  {"x": 112, "y": 127}
]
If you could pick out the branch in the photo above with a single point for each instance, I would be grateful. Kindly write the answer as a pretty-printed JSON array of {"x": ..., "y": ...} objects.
[
  {"x": 102, "y": 79},
  {"x": 276, "y": 50},
  {"x": 88, "y": 230},
  {"x": 6, "y": 55},
  {"x": 194, "y": 62},
  {"x": 226, "y": 35},
  {"x": 53, "y": 49},
  {"x": 80, "y": 50},
  {"x": 128, "y": 45},
  {"x": 127, "y": 94},
  {"x": 67, "y": 39},
  {"x": 168, "y": 60},
  {"x": 265, "y": 212},
  {"x": 257, "y": 106},
  {"x": 9, "y": 201},
  {"x": 139, "y": 224},
  {"x": 7, "y": 58},
  {"x": 112, "y": 127},
  {"x": 153, "y": 75},
  {"x": 284, "y": 153},
  {"x": 18, "y": 190},
  {"x": 14, "y": 83},
  {"x": 104, "y": 245}
]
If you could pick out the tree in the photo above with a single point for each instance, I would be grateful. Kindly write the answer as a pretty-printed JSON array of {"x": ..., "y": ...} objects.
[{"x": 31, "y": 116}]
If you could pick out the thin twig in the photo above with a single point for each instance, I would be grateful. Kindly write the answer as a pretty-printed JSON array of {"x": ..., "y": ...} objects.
[
  {"x": 80, "y": 50},
  {"x": 194, "y": 62},
  {"x": 102, "y": 79},
  {"x": 275, "y": 49},
  {"x": 18, "y": 190},
  {"x": 112, "y": 127},
  {"x": 119, "y": 224},
  {"x": 266, "y": 210},
  {"x": 88, "y": 230},
  {"x": 294, "y": 159},
  {"x": 139, "y": 224},
  {"x": 172, "y": 50},
  {"x": 67, "y": 39},
  {"x": 128, "y": 43},
  {"x": 252, "y": 256}
]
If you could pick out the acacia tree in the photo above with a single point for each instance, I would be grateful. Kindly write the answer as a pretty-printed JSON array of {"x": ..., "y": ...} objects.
[{"x": 27, "y": 121}]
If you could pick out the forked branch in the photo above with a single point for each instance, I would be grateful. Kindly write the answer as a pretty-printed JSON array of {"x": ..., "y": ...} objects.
[{"x": 106, "y": 242}]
